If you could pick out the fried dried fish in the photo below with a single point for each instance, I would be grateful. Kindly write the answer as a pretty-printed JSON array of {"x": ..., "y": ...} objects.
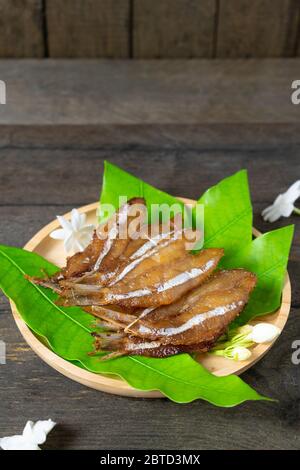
[
  {"x": 162, "y": 284},
  {"x": 192, "y": 324},
  {"x": 121, "y": 345},
  {"x": 219, "y": 281},
  {"x": 151, "y": 296},
  {"x": 103, "y": 252},
  {"x": 205, "y": 313},
  {"x": 137, "y": 258}
]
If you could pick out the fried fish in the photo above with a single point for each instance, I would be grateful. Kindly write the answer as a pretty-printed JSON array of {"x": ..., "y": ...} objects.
[
  {"x": 161, "y": 284},
  {"x": 149, "y": 294},
  {"x": 194, "y": 323}
]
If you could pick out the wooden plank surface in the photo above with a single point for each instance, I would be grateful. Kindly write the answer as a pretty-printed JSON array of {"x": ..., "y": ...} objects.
[
  {"x": 260, "y": 28},
  {"x": 173, "y": 28},
  {"x": 41, "y": 176},
  {"x": 149, "y": 28},
  {"x": 88, "y": 28},
  {"x": 21, "y": 28},
  {"x": 298, "y": 40},
  {"x": 164, "y": 91},
  {"x": 42, "y": 169}
]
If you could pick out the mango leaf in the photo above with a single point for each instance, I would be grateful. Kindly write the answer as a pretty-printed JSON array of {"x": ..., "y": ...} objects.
[
  {"x": 118, "y": 183},
  {"x": 267, "y": 257},
  {"x": 67, "y": 330},
  {"x": 227, "y": 205},
  {"x": 228, "y": 214}
]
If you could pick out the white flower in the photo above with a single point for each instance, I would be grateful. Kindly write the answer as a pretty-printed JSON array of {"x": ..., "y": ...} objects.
[
  {"x": 264, "y": 333},
  {"x": 75, "y": 234},
  {"x": 283, "y": 204},
  {"x": 240, "y": 353},
  {"x": 33, "y": 435}
]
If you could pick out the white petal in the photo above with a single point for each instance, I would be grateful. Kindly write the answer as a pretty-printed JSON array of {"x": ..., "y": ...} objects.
[
  {"x": 85, "y": 232},
  {"x": 41, "y": 429},
  {"x": 69, "y": 243},
  {"x": 287, "y": 209},
  {"x": 267, "y": 210},
  {"x": 28, "y": 430},
  {"x": 83, "y": 242},
  {"x": 88, "y": 228},
  {"x": 273, "y": 216},
  {"x": 84, "y": 237},
  {"x": 293, "y": 192},
  {"x": 33, "y": 434},
  {"x": 82, "y": 219},
  {"x": 267, "y": 217},
  {"x": 78, "y": 245},
  {"x": 64, "y": 223},
  {"x": 272, "y": 213},
  {"x": 264, "y": 333},
  {"x": 75, "y": 220},
  {"x": 283, "y": 205},
  {"x": 17, "y": 443},
  {"x": 58, "y": 234}
]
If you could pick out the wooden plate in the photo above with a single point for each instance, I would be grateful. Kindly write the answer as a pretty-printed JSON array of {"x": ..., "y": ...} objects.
[{"x": 53, "y": 250}]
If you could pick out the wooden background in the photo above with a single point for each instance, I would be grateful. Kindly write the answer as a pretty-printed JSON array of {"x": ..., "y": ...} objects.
[
  {"x": 149, "y": 28},
  {"x": 181, "y": 126}
]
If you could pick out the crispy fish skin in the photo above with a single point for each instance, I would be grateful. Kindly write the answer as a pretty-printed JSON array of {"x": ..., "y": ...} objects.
[
  {"x": 110, "y": 315},
  {"x": 131, "y": 345},
  {"x": 139, "y": 256},
  {"x": 104, "y": 250},
  {"x": 152, "y": 297},
  {"x": 220, "y": 280},
  {"x": 142, "y": 260},
  {"x": 124, "y": 252},
  {"x": 156, "y": 286},
  {"x": 101, "y": 253},
  {"x": 205, "y": 319},
  {"x": 163, "y": 285},
  {"x": 202, "y": 317}
]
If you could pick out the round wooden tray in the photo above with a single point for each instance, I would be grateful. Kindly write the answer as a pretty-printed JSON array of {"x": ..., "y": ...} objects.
[{"x": 53, "y": 250}]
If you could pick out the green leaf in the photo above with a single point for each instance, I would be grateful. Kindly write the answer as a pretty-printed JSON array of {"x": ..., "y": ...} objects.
[
  {"x": 36, "y": 304},
  {"x": 67, "y": 330},
  {"x": 118, "y": 183},
  {"x": 267, "y": 257},
  {"x": 228, "y": 214}
]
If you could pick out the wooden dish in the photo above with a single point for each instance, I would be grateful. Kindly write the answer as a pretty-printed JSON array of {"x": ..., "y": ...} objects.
[{"x": 53, "y": 250}]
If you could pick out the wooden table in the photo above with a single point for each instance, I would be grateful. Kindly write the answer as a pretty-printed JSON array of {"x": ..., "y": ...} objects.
[{"x": 52, "y": 161}]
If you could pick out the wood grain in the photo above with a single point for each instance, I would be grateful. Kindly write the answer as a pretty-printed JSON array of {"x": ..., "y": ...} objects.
[
  {"x": 41, "y": 176},
  {"x": 149, "y": 28},
  {"x": 298, "y": 40},
  {"x": 149, "y": 92},
  {"x": 173, "y": 28},
  {"x": 21, "y": 28},
  {"x": 91, "y": 420},
  {"x": 260, "y": 28},
  {"x": 88, "y": 28}
]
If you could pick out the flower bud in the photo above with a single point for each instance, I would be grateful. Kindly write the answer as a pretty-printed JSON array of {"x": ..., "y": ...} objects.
[
  {"x": 264, "y": 333},
  {"x": 240, "y": 353}
]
